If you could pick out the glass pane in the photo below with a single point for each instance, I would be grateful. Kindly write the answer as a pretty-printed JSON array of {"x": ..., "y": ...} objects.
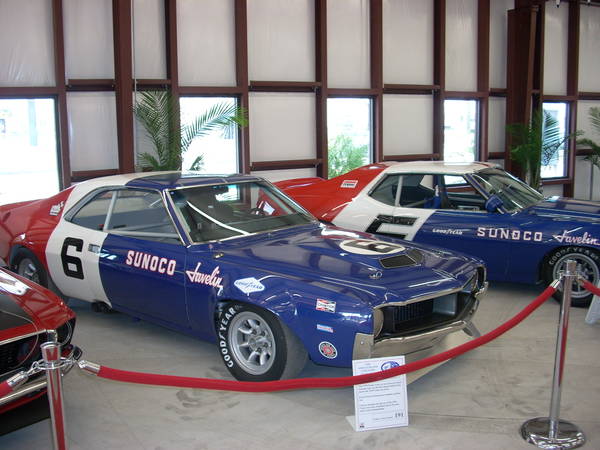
[
  {"x": 217, "y": 151},
  {"x": 460, "y": 130},
  {"x": 28, "y": 149},
  {"x": 417, "y": 191},
  {"x": 139, "y": 211},
  {"x": 93, "y": 214},
  {"x": 349, "y": 134},
  {"x": 555, "y": 166},
  {"x": 226, "y": 211},
  {"x": 386, "y": 191}
]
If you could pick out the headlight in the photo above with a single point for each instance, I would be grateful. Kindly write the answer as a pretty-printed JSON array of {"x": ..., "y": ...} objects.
[{"x": 65, "y": 332}]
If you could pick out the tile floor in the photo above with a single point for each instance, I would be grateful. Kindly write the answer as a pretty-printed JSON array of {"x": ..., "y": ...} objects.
[{"x": 477, "y": 401}]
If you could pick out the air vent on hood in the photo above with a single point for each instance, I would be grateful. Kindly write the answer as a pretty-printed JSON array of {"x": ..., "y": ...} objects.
[{"x": 411, "y": 258}]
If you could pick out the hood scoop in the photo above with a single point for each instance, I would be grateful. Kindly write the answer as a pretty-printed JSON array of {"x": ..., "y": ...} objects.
[{"x": 410, "y": 258}]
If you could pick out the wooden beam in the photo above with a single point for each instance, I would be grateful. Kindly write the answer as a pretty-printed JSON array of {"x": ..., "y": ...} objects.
[
  {"x": 241, "y": 73},
  {"x": 572, "y": 90},
  {"x": 439, "y": 70},
  {"x": 413, "y": 157},
  {"x": 285, "y": 164},
  {"x": 483, "y": 75},
  {"x": 321, "y": 144},
  {"x": 123, "y": 85},
  {"x": 376, "y": 47},
  {"x": 521, "y": 38},
  {"x": 61, "y": 94}
]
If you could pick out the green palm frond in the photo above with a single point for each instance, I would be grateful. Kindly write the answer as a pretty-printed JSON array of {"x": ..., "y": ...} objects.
[
  {"x": 158, "y": 112},
  {"x": 594, "y": 156},
  {"x": 536, "y": 144}
]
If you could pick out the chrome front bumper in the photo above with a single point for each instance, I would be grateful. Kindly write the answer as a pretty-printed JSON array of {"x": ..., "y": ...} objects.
[
  {"x": 366, "y": 347},
  {"x": 39, "y": 383}
]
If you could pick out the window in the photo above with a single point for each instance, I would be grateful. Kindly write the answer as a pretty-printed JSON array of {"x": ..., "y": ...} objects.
[
  {"x": 460, "y": 130},
  {"x": 553, "y": 166},
  {"x": 129, "y": 212},
  {"x": 217, "y": 151},
  {"x": 349, "y": 134},
  {"x": 231, "y": 210},
  {"x": 417, "y": 191},
  {"x": 28, "y": 149},
  {"x": 386, "y": 191}
]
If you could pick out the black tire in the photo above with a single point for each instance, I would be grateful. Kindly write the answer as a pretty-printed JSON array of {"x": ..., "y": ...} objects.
[
  {"x": 588, "y": 262},
  {"x": 26, "y": 264},
  {"x": 256, "y": 346}
]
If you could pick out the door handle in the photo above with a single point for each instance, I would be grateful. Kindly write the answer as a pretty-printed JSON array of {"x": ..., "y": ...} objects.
[{"x": 94, "y": 248}]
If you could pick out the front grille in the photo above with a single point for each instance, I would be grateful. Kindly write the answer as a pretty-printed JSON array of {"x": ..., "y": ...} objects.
[
  {"x": 404, "y": 320},
  {"x": 18, "y": 354}
]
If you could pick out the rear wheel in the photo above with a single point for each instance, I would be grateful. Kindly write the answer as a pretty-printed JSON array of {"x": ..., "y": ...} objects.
[
  {"x": 256, "y": 346},
  {"x": 588, "y": 264},
  {"x": 26, "y": 264}
]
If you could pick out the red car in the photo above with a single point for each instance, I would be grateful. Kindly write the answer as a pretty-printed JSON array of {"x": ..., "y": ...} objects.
[{"x": 29, "y": 315}]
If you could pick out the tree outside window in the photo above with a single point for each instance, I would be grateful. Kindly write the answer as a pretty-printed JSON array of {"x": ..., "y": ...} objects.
[{"x": 349, "y": 134}]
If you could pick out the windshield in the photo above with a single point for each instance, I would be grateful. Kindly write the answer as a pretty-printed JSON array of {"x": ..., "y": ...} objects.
[
  {"x": 228, "y": 210},
  {"x": 513, "y": 192}
]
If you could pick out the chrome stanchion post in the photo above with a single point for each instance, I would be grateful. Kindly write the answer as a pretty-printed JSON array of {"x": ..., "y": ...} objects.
[
  {"x": 551, "y": 432},
  {"x": 51, "y": 354}
]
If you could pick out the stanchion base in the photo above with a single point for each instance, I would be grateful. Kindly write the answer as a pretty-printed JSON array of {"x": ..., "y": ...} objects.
[{"x": 537, "y": 432}]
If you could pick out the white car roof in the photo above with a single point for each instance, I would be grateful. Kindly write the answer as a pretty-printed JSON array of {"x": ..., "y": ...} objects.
[{"x": 436, "y": 167}]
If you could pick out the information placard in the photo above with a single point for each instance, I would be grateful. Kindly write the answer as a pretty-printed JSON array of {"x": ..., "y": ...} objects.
[{"x": 381, "y": 404}]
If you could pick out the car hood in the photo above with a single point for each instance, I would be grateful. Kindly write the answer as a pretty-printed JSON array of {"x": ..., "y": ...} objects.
[
  {"x": 28, "y": 308},
  {"x": 561, "y": 208},
  {"x": 325, "y": 255}
]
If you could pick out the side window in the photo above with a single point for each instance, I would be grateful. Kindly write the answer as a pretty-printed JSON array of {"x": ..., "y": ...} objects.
[
  {"x": 93, "y": 214},
  {"x": 385, "y": 192},
  {"x": 417, "y": 191},
  {"x": 141, "y": 214},
  {"x": 461, "y": 195}
]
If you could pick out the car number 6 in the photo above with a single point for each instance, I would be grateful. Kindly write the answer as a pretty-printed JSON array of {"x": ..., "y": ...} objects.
[{"x": 70, "y": 261}]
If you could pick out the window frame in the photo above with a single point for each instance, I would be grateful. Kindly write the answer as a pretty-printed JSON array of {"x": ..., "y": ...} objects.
[{"x": 72, "y": 212}]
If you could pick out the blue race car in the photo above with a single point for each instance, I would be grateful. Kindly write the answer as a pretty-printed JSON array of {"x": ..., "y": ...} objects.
[
  {"x": 477, "y": 208},
  {"x": 233, "y": 260}
]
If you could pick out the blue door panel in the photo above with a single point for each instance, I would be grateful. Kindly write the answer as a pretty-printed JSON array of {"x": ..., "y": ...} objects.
[
  {"x": 145, "y": 276},
  {"x": 466, "y": 232}
]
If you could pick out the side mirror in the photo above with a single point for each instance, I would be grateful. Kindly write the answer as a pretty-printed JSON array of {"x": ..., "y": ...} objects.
[{"x": 493, "y": 204}]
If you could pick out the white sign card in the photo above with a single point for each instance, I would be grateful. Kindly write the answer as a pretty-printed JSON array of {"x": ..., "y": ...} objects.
[{"x": 381, "y": 404}]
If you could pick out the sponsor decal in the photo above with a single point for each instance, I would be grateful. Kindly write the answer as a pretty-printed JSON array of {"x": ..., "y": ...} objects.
[
  {"x": 511, "y": 235},
  {"x": 389, "y": 365},
  {"x": 55, "y": 209},
  {"x": 153, "y": 263},
  {"x": 209, "y": 279},
  {"x": 447, "y": 231},
  {"x": 370, "y": 247},
  {"x": 249, "y": 285},
  {"x": 328, "y": 350},
  {"x": 565, "y": 238},
  {"x": 325, "y": 328},
  {"x": 349, "y": 184},
  {"x": 325, "y": 305}
]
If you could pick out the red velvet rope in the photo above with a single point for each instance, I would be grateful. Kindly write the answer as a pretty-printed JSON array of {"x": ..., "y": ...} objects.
[
  {"x": 312, "y": 383},
  {"x": 5, "y": 389},
  {"x": 590, "y": 287}
]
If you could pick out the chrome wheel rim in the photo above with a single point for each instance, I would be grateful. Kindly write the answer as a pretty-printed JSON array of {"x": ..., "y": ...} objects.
[
  {"x": 252, "y": 343},
  {"x": 585, "y": 266},
  {"x": 28, "y": 270}
]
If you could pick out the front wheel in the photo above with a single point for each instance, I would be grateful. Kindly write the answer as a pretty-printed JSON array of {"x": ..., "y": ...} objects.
[
  {"x": 256, "y": 346},
  {"x": 26, "y": 264},
  {"x": 588, "y": 264}
]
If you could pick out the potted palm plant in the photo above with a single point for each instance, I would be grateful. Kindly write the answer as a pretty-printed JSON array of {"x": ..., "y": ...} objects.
[
  {"x": 158, "y": 112},
  {"x": 536, "y": 144},
  {"x": 594, "y": 156}
]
